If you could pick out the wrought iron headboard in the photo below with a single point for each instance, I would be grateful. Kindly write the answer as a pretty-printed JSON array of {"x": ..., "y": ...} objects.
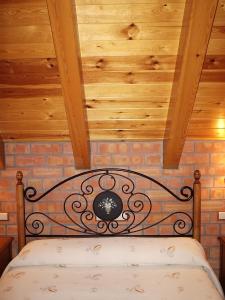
[{"x": 110, "y": 200}]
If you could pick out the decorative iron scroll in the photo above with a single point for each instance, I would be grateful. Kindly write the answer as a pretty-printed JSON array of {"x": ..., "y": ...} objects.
[{"x": 107, "y": 203}]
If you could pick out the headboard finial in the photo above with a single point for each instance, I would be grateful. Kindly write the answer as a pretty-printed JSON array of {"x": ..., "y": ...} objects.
[
  {"x": 19, "y": 177},
  {"x": 197, "y": 176}
]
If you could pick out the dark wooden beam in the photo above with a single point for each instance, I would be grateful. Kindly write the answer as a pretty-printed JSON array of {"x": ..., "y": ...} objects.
[
  {"x": 195, "y": 34},
  {"x": 63, "y": 24}
]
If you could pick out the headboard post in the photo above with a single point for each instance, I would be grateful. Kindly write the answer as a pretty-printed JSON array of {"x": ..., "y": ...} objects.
[
  {"x": 197, "y": 205},
  {"x": 20, "y": 209}
]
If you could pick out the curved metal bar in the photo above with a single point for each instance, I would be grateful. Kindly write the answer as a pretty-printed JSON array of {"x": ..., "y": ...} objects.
[
  {"x": 125, "y": 187},
  {"x": 79, "y": 203},
  {"x": 29, "y": 197},
  {"x": 149, "y": 211},
  {"x": 35, "y": 223},
  {"x": 29, "y": 193},
  {"x": 110, "y": 226},
  {"x": 100, "y": 184},
  {"x": 175, "y": 223}
]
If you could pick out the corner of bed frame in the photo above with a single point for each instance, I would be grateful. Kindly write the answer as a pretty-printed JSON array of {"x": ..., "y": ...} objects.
[
  {"x": 197, "y": 206},
  {"x": 20, "y": 210}
]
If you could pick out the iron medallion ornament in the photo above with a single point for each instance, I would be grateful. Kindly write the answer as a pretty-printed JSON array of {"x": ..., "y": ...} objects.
[{"x": 107, "y": 206}]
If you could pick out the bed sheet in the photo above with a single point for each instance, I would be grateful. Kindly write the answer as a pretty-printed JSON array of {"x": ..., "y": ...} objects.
[
  {"x": 112, "y": 282},
  {"x": 110, "y": 268}
]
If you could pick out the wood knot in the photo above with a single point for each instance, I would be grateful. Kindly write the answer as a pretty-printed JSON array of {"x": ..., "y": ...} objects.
[
  {"x": 197, "y": 176},
  {"x": 100, "y": 64},
  {"x": 132, "y": 31},
  {"x": 50, "y": 63},
  {"x": 19, "y": 177},
  {"x": 130, "y": 78},
  {"x": 152, "y": 63}
]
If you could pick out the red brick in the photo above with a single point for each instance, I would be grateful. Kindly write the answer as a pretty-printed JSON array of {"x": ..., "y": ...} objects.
[
  {"x": 5, "y": 183},
  {"x": 46, "y": 148},
  {"x": 136, "y": 160},
  {"x": 11, "y": 230},
  {"x": 219, "y": 181},
  {"x": 205, "y": 193},
  {"x": 194, "y": 158},
  {"x": 45, "y": 172},
  {"x": 12, "y": 172},
  {"x": 181, "y": 171},
  {"x": 30, "y": 160},
  {"x": 213, "y": 217},
  {"x": 17, "y": 148},
  {"x": 212, "y": 229},
  {"x": 214, "y": 252},
  {"x": 58, "y": 230},
  {"x": 142, "y": 183},
  {"x": 202, "y": 229},
  {"x": 206, "y": 181},
  {"x": 48, "y": 183},
  {"x": 153, "y": 159},
  {"x": 61, "y": 160},
  {"x": 165, "y": 229},
  {"x": 2, "y": 230},
  {"x": 55, "y": 160},
  {"x": 7, "y": 196},
  {"x": 218, "y": 158},
  {"x": 69, "y": 171},
  {"x": 210, "y": 241},
  {"x": 205, "y": 217},
  {"x": 9, "y": 161},
  {"x": 217, "y": 193},
  {"x": 188, "y": 147},
  {"x": 37, "y": 183},
  {"x": 212, "y": 205},
  {"x": 222, "y": 229},
  {"x": 67, "y": 148},
  {"x": 187, "y": 181},
  {"x": 93, "y": 146},
  {"x": 151, "y": 231},
  {"x": 210, "y": 146},
  {"x": 212, "y": 170},
  {"x": 8, "y": 206},
  {"x": 120, "y": 160},
  {"x": 149, "y": 171},
  {"x": 105, "y": 148},
  {"x": 154, "y": 147},
  {"x": 101, "y": 160},
  {"x": 173, "y": 182}
]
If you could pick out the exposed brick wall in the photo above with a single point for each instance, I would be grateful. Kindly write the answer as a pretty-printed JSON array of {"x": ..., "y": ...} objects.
[{"x": 45, "y": 163}]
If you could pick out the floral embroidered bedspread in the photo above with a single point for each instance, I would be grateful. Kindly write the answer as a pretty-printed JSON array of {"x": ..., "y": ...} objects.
[{"x": 111, "y": 268}]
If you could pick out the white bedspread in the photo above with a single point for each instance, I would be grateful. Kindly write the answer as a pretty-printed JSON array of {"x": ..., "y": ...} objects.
[{"x": 139, "y": 268}]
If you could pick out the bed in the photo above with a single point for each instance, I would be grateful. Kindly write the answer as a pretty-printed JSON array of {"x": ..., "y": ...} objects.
[{"x": 108, "y": 247}]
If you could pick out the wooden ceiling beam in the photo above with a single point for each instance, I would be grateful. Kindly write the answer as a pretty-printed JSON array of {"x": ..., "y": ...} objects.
[
  {"x": 195, "y": 34},
  {"x": 63, "y": 24}
]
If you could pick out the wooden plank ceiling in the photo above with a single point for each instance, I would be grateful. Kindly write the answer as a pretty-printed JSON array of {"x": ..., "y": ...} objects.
[{"x": 128, "y": 55}]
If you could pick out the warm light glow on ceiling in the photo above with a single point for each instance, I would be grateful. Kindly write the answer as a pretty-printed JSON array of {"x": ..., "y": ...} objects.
[
  {"x": 221, "y": 123},
  {"x": 220, "y": 128}
]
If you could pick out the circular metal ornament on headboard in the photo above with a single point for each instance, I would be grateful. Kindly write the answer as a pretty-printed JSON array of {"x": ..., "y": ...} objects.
[{"x": 107, "y": 206}]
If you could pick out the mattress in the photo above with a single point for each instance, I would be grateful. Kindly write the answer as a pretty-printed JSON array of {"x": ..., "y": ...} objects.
[{"x": 110, "y": 268}]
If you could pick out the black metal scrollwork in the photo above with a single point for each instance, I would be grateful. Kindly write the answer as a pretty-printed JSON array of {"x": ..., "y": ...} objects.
[{"x": 107, "y": 203}]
